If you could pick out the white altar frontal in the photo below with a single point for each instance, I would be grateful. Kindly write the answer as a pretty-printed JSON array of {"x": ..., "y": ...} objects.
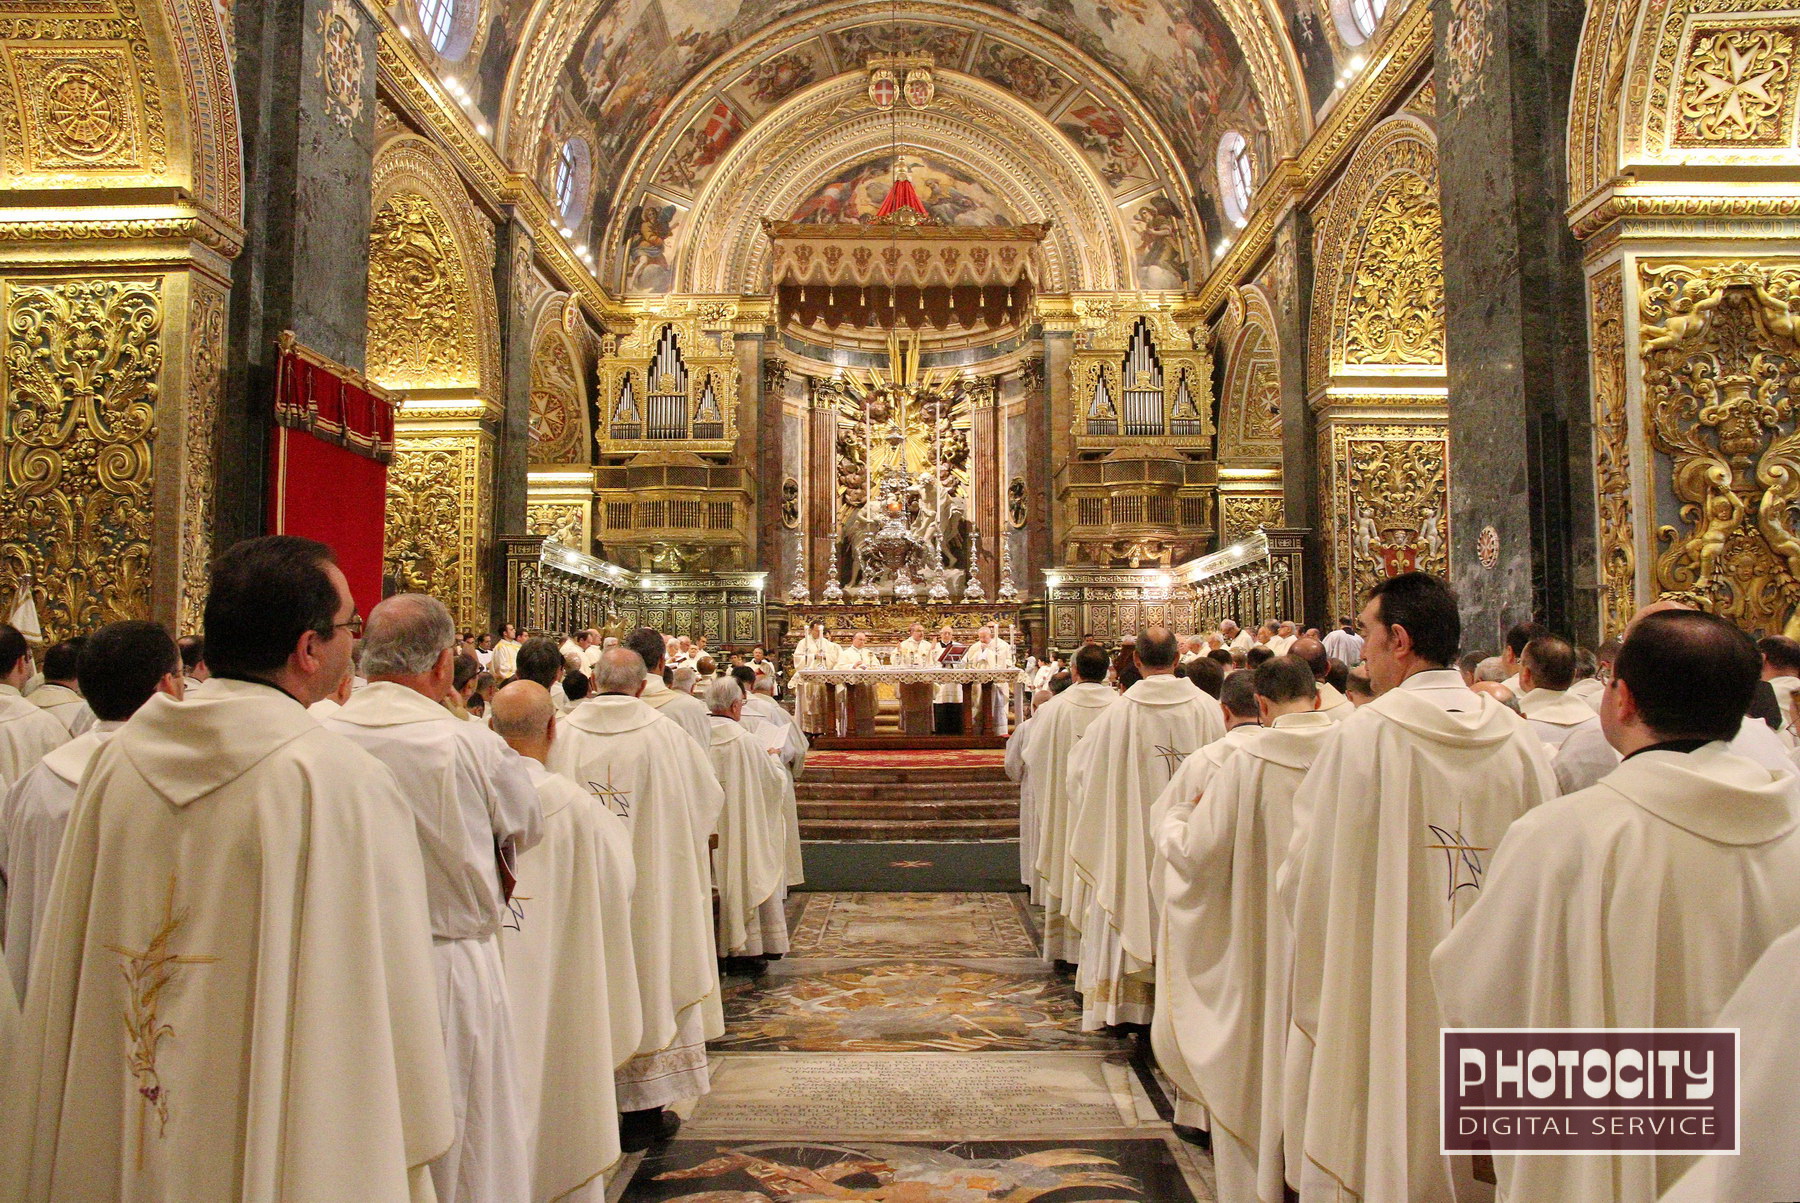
[{"x": 985, "y": 694}]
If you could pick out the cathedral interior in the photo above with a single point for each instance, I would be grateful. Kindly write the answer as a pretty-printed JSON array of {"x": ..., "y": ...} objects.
[{"x": 1080, "y": 313}]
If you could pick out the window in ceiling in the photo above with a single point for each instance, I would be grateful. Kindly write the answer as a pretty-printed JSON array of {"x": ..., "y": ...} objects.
[
  {"x": 569, "y": 183},
  {"x": 1365, "y": 15},
  {"x": 449, "y": 25},
  {"x": 1237, "y": 176}
]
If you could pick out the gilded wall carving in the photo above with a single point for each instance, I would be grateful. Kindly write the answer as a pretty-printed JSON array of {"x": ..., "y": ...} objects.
[
  {"x": 1241, "y": 513},
  {"x": 1390, "y": 504},
  {"x": 421, "y": 328},
  {"x": 437, "y": 523},
  {"x": 82, "y": 109},
  {"x": 1720, "y": 342},
  {"x": 1250, "y": 411},
  {"x": 1737, "y": 87},
  {"x": 82, "y": 363},
  {"x": 205, "y": 382},
  {"x": 564, "y": 521},
  {"x": 341, "y": 61},
  {"x": 1617, "y": 534},
  {"x": 558, "y": 411}
]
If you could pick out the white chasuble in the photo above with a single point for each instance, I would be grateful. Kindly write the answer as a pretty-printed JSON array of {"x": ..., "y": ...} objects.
[
  {"x": 761, "y": 710},
  {"x": 1641, "y": 902},
  {"x": 470, "y": 794},
  {"x": 232, "y": 993},
  {"x": 33, "y": 816},
  {"x": 1058, "y": 728},
  {"x": 1589, "y": 690},
  {"x": 571, "y": 976},
  {"x": 1136, "y": 746},
  {"x": 813, "y": 703},
  {"x": 1556, "y": 714},
  {"x": 1028, "y": 820},
  {"x": 1766, "y": 1012},
  {"x": 1394, "y": 827},
  {"x": 1169, "y": 889},
  {"x": 1333, "y": 704},
  {"x": 688, "y": 711},
  {"x": 1222, "y": 990},
  {"x": 649, "y": 772},
  {"x": 996, "y": 653},
  {"x": 65, "y": 705},
  {"x": 27, "y": 732},
  {"x": 750, "y": 866},
  {"x": 916, "y": 653}
]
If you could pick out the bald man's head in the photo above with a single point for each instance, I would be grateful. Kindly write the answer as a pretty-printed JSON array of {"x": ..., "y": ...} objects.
[
  {"x": 1313, "y": 652},
  {"x": 522, "y": 715}
]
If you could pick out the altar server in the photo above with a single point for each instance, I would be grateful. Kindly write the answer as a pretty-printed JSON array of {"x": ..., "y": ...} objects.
[
  {"x": 232, "y": 995},
  {"x": 1546, "y": 671},
  {"x": 27, "y": 731},
  {"x": 1065, "y": 720},
  {"x": 1222, "y": 990},
  {"x": 687, "y": 711},
  {"x": 570, "y": 969},
  {"x": 946, "y": 703},
  {"x": 506, "y": 655},
  {"x": 915, "y": 651},
  {"x": 1393, "y": 828},
  {"x": 121, "y": 667},
  {"x": 60, "y": 693},
  {"x": 814, "y": 704},
  {"x": 1120, "y": 768},
  {"x": 650, "y": 773},
  {"x": 1643, "y": 901},
  {"x": 751, "y": 862},
  {"x": 475, "y": 809}
]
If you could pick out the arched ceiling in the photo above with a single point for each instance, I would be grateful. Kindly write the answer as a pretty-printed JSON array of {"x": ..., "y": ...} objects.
[{"x": 661, "y": 89}]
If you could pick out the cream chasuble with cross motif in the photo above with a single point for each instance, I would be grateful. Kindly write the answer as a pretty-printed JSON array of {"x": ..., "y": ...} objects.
[
  {"x": 1132, "y": 750},
  {"x": 1061, "y": 723},
  {"x": 233, "y": 995},
  {"x": 650, "y": 773},
  {"x": 751, "y": 864},
  {"x": 1393, "y": 830}
]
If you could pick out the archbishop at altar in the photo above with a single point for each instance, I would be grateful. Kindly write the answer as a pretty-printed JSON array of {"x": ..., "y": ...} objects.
[{"x": 966, "y": 688}]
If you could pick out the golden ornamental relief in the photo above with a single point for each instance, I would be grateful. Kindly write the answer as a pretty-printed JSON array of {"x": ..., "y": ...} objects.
[
  {"x": 82, "y": 362},
  {"x": 420, "y": 329},
  {"x": 1396, "y": 313},
  {"x": 1721, "y": 356},
  {"x": 78, "y": 109},
  {"x": 564, "y": 521},
  {"x": 1736, "y": 88},
  {"x": 205, "y": 386},
  {"x": 1399, "y": 509},
  {"x": 558, "y": 434},
  {"x": 433, "y": 536},
  {"x": 1250, "y": 416},
  {"x": 1241, "y": 514},
  {"x": 1612, "y": 452}
]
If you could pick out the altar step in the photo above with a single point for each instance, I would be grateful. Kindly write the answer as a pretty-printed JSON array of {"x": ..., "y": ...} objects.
[{"x": 975, "y": 803}]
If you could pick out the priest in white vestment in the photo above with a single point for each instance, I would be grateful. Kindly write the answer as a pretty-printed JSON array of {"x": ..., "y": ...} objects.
[
  {"x": 571, "y": 974},
  {"x": 750, "y": 866},
  {"x": 915, "y": 651},
  {"x": 60, "y": 691},
  {"x": 856, "y": 715},
  {"x": 1332, "y": 702},
  {"x": 122, "y": 666},
  {"x": 27, "y": 731},
  {"x": 989, "y": 652},
  {"x": 1028, "y": 816},
  {"x": 231, "y": 996},
  {"x": 1643, "y": 901},
  {"x": 1223, "y": 1019},
  {"x": 475, "y": 810},
  {"x": 1393, "y": 829},
  {"x": 1062, "y": 723},
  {"x": 1133, "y": 750},
  {"x": 1766, "y": 1012},
  {"x": 1780, "y": 668},
  {"x": 652, "y": 774},
  {"x": 762, "y": 710},
  {"x": 505, "y": 660},
  {"x": 1546, "y": 673},
  {"x": 781, "y": 735},
  {"x": 687, "y": 711},
  {"x": 815, "y": 705},
  {"x": 1243, "y": 723},
  {"x": 946, "y": 700}
]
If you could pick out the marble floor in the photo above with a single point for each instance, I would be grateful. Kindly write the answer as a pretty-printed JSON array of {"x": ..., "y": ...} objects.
[{"x": 913, "y": 1049}]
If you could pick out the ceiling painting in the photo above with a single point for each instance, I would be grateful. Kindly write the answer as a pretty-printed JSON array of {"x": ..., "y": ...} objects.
[{"x": 951, "y": 195}]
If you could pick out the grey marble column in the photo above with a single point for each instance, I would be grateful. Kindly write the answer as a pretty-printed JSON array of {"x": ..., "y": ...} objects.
[
  {"x": 1514, "y": 316},
  {"x": 1300, "y": 484},
  {"x": 309, "y": 142},
  {"x": 513, "y": 254}
]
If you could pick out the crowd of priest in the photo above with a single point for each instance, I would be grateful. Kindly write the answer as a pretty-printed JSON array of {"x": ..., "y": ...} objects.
[
  {"x": 284, "y": 921},
  {"x": 1294, "y": 862},
  {"x": 313, "y": 908}
]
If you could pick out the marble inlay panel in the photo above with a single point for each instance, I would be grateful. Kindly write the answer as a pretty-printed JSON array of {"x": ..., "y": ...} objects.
[
  {"x": 919, "y": 1094},
  {"x": 1113, "y": 1171},
  {"x": 904, "y": 1006},
  {"x": 911, "y": 925}
]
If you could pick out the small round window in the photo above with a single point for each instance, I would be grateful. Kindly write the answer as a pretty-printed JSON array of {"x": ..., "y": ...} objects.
[
  {"x": 1365, "y": 15},
  {"x": 569, "y": 182},
  {"x": 449, "y": 25},
  {"x": 1237, "y": 176}
]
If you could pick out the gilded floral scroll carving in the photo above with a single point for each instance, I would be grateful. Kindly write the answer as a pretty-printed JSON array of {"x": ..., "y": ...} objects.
[
  {"x": 82, "y": 363},
  {"x": 1241, "y": 514},
  {"x": 1399, "y": 509},
  {"x": 420, "y": 320},
  {"x": 1612, "y": 453},
  {"x": 431, "y": 544},
  {"x": 1721, "y": 355},
  {"x": 1396, "y": 313}
]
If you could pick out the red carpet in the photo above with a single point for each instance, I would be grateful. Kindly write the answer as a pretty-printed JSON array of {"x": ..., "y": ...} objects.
[{"x": 908, "y": 758}]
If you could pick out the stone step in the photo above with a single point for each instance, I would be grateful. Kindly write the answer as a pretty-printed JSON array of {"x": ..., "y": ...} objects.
[
  {"x": 998, "y": 808},
  {"x": 907, "y": 829},
  {"x": 892, "y": 776},
  {"x": 909, "y": 792}
]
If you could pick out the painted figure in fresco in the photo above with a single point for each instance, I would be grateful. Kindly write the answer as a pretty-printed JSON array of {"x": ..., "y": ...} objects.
[{"x": 647, "y": 264}]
